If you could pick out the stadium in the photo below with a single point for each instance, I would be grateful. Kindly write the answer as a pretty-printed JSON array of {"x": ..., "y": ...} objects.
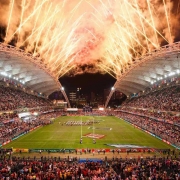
[{"x": 44, "y": 40}]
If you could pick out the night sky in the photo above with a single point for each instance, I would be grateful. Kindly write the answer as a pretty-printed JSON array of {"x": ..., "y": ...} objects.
[{"x": 88, "y": 82}]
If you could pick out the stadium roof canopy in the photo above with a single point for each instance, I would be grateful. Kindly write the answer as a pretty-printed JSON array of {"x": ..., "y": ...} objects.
[
  {"x": 149, "y": 69},
  {"x": 23, "y": 68}
]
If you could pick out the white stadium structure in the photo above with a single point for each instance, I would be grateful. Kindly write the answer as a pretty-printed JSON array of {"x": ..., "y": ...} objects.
[
  {"x": 149, "y": 69},
  {"x": 23, "y": 68}
]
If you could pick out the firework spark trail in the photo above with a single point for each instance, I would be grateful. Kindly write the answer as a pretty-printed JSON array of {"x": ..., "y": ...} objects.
[
  {"x": 70, "y": 60},
  {"x": 43, "y": 49},
  {"x": 66, "y": 71},
  {"x": 22, "y": 13},
  {"x": 105, "y": 68},
  {"x": 148, "y": 23},
  {"x": 37, "y": 39},
  {"x": 93, "y": 7},
  {"x": 167, "y": 18},
  {"x": 72, "y": 12},
  {"x": 10, "y": 16},
  {"x": 115, "y": 64},
  {"x": 106, "y": 34},
  {"x": 143, "y": 27},
  {"x": 63, "y": 64},
  {"x": 152, "y": 20},
  {"x": 75, "y": 24},
  {"x": 40, "y": 28},
  {"x": 131, "y": 37},
  {"x": 29, "y": 17},
  {"x": 54, "y": 43},
  {"x": 127, "y": 29},
  {"x": 55, "y": 36}
]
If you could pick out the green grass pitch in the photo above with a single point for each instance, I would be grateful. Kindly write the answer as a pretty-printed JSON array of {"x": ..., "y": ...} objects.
[{"x": 57, "y": 136}]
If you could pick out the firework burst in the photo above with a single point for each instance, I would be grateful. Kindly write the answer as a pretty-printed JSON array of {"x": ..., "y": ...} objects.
[{"x": 106, "y": 35}]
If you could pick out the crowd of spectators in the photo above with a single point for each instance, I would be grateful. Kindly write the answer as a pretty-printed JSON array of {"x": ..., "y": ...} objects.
[
  {"x": 166, "y": 99},
  {"x": 48, "y": 115},
  {"x": 12, "y": 98},
  {"x": 12, "y": 129},
  {"x": 75, "y": 169},
  {"x": 12, "y": 101},
  {"x": 156, "y": 114},
  {"x": 6, "y": 117}
]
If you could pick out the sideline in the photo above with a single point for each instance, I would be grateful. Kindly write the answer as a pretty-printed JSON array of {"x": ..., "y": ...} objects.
[{"x": 101, "y": 156}]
